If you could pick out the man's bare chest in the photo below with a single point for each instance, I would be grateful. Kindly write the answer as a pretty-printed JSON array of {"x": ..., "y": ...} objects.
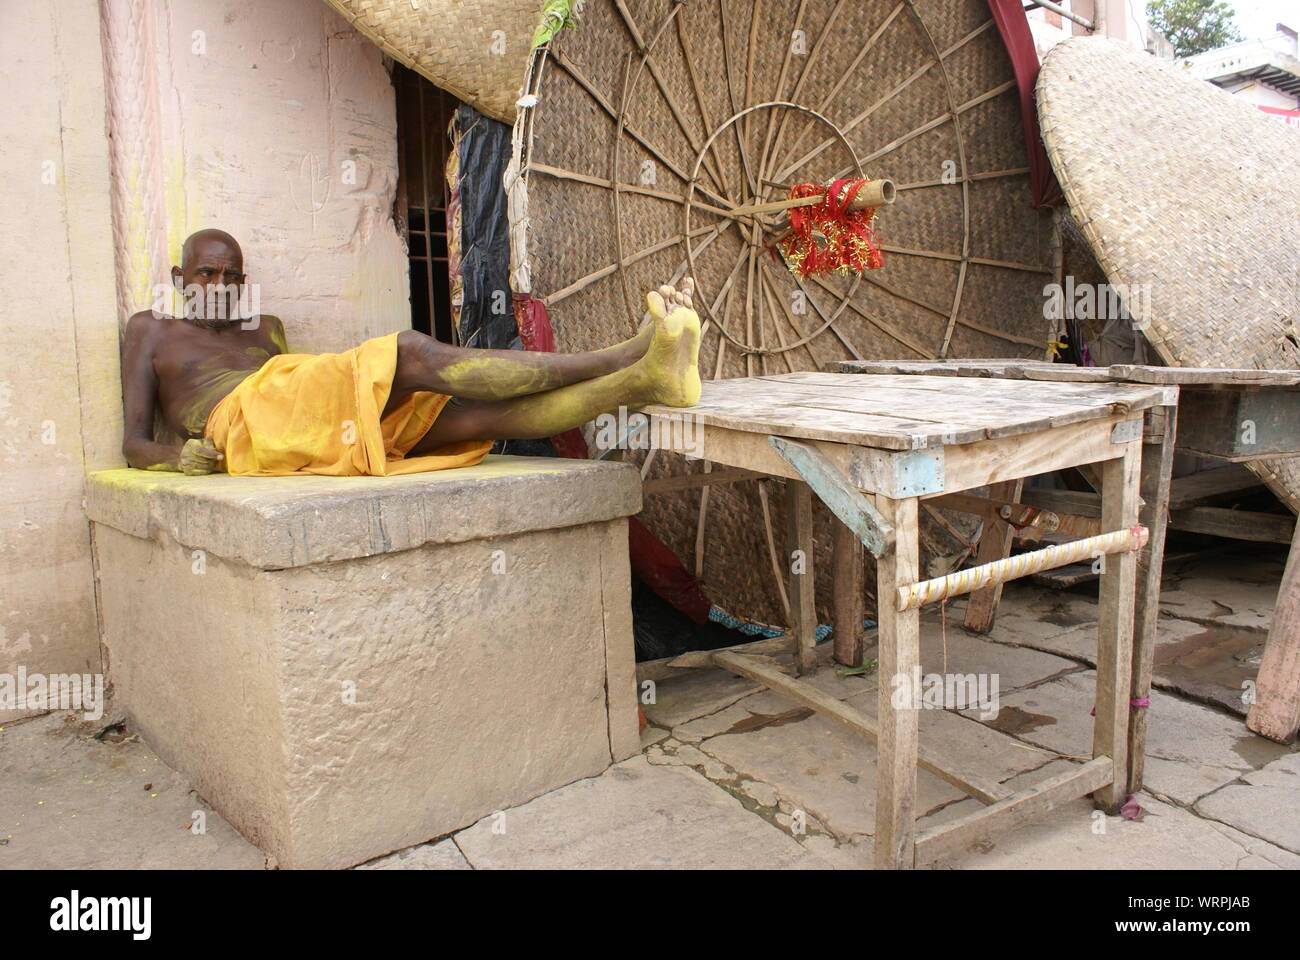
[{"x": 191, "y": 354}]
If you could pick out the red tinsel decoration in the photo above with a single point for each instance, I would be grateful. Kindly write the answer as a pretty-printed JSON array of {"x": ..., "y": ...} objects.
[{"x": 850, "y": 243}]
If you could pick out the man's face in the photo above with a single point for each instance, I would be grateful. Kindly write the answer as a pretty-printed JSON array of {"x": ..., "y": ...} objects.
[{"x": 210, "y": 278}]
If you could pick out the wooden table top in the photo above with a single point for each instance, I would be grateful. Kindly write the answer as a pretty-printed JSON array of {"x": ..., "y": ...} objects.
[
  {"x": 905, "y": 412},
  {"x": 1211, "y": 377}
]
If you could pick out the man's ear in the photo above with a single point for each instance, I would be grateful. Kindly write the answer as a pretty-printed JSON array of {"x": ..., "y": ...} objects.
[{"x": 178, "y": 279}]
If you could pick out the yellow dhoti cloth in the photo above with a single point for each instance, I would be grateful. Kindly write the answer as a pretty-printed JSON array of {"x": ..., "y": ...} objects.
[{"x": 321, "y": 414}]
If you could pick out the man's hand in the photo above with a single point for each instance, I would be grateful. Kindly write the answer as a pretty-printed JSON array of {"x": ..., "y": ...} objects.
[{"x": 199, "y": 457}]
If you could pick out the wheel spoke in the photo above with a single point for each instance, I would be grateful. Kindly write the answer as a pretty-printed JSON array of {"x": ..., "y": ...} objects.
[
  {"x": 648, "y": 58},
  {"x": 829, "y": 99},
  {"x": 731, "y": 93},
  {"x": 578, "y": 77},
  {"x": 863, "y": 117},
  {"x": 705, "y": 118},
  {"x": 764, "y": 156},
  {"x": 813, "y": 55},
  {"x": 781, "y": 309},
  {"x": 627, "y": 261}
]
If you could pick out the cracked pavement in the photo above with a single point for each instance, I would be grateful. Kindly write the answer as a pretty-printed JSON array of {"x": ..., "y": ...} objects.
[{"x": 734, "y": 776}]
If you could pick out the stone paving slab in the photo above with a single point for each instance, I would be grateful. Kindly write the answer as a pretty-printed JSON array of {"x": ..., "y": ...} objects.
[
  {"x": 1034, "y": 611},
  {"x": 1080, "y": 643},
  {"x": 1265, "y": 805},
  {"x": 1207, "y": 748},
  {"x": 675, "y": 753},
  {"x": 958, "y": 742},
  {"x": 69, "y": 802},
  {"x": 1015, "y": 666},
  {"x": 1213, "y": 664},
  {"x": 443, "y": 855},
  {"x": 1184, "y": 781},
  {"x": 1207, "y": 662},
  {"x": 697, "y": 693},
  {"x": 652, "y": 735},
  {"x": 816, "y": 765},
  {"x": 819, "y": 767},
  {"x": 1075, "y": 643},
  {"x": 1166, "y": 838},
  {"x": 715, "y": 723},
  {"x": 1237, "y": 587},
  {"x": 635, "y": 816},
  {"x": 857, "y": 853}
]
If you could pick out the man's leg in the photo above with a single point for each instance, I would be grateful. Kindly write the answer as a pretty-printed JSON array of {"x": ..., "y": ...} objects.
[
  {"x": 668, "y": 373},
  {"x": 426, "y": 364}
]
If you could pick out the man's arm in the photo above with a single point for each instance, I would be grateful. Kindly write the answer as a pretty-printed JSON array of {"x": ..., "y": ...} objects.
[{"x": 140, "y": 397}]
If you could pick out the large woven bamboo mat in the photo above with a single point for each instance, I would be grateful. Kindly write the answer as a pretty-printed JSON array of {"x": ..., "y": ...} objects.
[{"x": 655, "y": 118}]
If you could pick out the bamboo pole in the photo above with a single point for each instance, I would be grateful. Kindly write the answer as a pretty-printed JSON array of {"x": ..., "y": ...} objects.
[
  {"x": 1094, "y": 25},
  {"x": 1021, "y": 565},
  {"x": 877, "y": 193},
  {"x": 771, "y": 548}
]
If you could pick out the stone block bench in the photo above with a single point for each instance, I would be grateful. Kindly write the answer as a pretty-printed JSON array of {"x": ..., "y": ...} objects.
[{"x": 347, "y": 666}]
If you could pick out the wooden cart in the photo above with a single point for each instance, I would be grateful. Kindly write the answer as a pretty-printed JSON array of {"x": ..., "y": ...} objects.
[{"x": 872, "y": 449}]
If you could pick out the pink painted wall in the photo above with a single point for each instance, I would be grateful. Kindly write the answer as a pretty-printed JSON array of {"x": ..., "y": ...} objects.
[
  {"x": 277, "y": 123},
  {"x": 59, "y": 393}
]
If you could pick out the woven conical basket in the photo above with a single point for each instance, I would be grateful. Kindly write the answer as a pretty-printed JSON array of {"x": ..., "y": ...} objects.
[
  {"x": 1189, "y": 193},
  {"x": 477, "y": 50}
]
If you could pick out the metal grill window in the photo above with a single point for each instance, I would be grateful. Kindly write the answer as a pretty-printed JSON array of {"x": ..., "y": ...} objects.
[{"x": 424, "y": 113}]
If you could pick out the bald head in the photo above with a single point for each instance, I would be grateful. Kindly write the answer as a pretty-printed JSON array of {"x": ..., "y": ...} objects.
[{"x": 210, "y": 238}]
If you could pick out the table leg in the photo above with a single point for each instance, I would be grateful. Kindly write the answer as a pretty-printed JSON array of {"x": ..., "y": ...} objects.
[
  {"x": 995, "y": 544},
  {"x": 846, "y": 568},
  {"x": 900, "y": 659},
  {"x": 1157, "y": 469},
  {"x": 1119, "y": 511},
  {"x": 1276, "y": 711},
  {"x": 800, "y": 550}
]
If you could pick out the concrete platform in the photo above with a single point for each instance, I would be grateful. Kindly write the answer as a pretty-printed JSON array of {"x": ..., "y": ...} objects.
[{"x": 347, "y": 666}]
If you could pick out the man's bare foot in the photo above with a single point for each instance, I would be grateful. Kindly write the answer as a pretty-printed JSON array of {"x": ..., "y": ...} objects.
[
  {"x": 630, "y": 351},
  {"x": 671, "y": 364}
]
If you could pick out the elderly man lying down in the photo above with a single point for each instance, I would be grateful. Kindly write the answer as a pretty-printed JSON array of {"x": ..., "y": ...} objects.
[{"x": 249, "y": 407}]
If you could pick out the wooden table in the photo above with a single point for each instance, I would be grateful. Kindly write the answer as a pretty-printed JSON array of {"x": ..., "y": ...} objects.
[
  {"x": 1234, "y": 415},
  {"x": 873, "y": 448}
]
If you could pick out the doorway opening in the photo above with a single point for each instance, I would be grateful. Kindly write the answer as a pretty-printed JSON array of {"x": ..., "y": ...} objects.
[{"x": 424, "y": 115}]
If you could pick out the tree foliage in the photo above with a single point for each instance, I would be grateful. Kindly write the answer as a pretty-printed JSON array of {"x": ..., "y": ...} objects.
[{"x": 1193, "y": 26}]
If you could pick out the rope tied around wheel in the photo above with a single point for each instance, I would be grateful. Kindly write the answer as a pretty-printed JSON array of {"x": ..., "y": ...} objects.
[{"x": 831, "y": 232}]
